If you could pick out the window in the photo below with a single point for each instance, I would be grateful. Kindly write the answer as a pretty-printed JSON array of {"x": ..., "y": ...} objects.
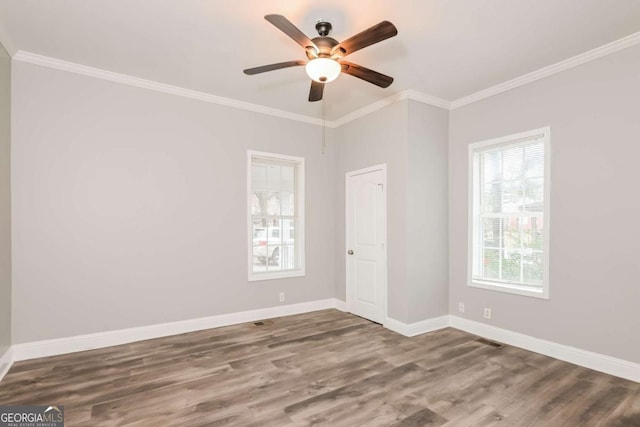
[
  {"x": 275, "y": 216},
  {"x": 509, "y": 214}
]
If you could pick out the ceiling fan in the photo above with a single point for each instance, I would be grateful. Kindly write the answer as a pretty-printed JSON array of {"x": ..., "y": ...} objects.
[{"x": 326, "y": 54}]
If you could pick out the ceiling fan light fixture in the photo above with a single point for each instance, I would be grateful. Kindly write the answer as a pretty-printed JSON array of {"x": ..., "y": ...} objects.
[
  {"x": 323, "y": 70},
  {"x": 326, "y": 54}
]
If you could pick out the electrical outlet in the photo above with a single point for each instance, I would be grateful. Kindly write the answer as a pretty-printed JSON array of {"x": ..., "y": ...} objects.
[
  {"x": 461, "y": 307},
  {"x": 487, "y": 313},
  {"x": 281, "y": 296}
]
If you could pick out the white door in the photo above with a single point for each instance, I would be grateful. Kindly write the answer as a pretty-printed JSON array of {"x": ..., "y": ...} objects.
[{"x": 366, "y": 238}]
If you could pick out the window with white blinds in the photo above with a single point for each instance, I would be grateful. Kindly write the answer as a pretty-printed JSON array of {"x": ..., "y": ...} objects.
[
  {"x": 509, "y": 214},
  {"x": 275, "y": 215}
]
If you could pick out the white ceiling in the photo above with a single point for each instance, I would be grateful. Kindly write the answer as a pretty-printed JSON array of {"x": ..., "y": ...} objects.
[{"x": 445, "y": 48}]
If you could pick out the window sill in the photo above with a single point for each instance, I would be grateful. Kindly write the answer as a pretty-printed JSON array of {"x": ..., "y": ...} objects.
[
  {"x": 542, "y": 293},
  {"x": 257, "y": 277}
]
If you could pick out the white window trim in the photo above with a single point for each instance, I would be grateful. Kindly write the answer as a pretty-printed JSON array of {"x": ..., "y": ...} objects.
[
  {"x": 511, "y": 288},
  {"x": 300, "y": 225}
]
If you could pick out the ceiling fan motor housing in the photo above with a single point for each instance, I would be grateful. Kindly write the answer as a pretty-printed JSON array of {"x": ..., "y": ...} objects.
[{"x": 324, "y": 43}]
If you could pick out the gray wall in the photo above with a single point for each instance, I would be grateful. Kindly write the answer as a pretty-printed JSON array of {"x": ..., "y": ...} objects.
[
  {"x": 411, "y": 138},
  {"x": 427, "y": 211},
  {"x": 5, "y": 202},
  {"x": 130, "y": 206},
  {"x": 594, "y": 114}
]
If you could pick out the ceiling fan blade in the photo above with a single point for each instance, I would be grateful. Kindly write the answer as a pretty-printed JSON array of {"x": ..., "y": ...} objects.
[
  {"x": 271, "y": 67},
  {"x": 284, "y": 25},
  {"x": 315, "y": 94},
  {"x": 366, "y": 74},
  {"x": 375, "y": 34}
]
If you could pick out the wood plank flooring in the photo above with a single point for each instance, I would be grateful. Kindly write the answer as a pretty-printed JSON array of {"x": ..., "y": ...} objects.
[{"x": 323, "y": 368}]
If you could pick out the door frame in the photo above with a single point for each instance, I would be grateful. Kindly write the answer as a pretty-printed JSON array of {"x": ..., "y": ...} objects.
[{"x": 348, "y": 284}]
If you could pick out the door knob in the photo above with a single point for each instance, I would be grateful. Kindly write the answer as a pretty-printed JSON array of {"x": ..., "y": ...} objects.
[{"x": 350, "y": 252}]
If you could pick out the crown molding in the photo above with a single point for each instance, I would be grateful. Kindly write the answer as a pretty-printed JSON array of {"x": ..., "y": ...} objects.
[
  {"x": 73, "y": 67},
  {"x": 425, "y": 98},
  {"x": 411, "y": 94},
  {"x": 550, "y": 70},
  {"x": 368, "y": 109},
  {"x": 383, "y": 103}
]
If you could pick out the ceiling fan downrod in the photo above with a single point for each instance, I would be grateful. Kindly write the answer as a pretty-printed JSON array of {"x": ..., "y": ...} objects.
[{"x": 323, "y": 27}]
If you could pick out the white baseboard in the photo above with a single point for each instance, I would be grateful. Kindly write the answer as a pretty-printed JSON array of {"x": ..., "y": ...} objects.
[
  {"x": 73, "y": 344},
  {"x": 5, "y": 362},
  {"x": 598, "y": 362},
  {"x": 417, "y": 328},
  {"x": 340, "y": 305}
]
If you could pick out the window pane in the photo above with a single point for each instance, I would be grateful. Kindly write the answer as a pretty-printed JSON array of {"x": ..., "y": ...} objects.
[
  {"x": 532, "y": 233},
  {"x": 288, "y": 231},
  {"x": 259, "y": 244},
  {"x": 511, "y": 233},
  {"x": 259, "y": 176},
  {"x": 534, "y": 195},
  {"x": 257, "y": 205},
  {"x": 274, "y": 177},
  {"x": 492, "y": 166},
  {"x": 274, "y": 232},
  {"x": 259, "y": 234},
  {"x": 491, "y": 264},
  {"x": 492, "y": 197},
  {"x": 259, "y": 258},
  {"x": 259, "y": 231},
  {"x": 288, "y": 203},
  {"x": 511, "y": 265},
  {"x": 288, "y": 178},
  {"x": 288, "y": 257},
  {"x": 274, "y": 257},
  {"x": 512, "y": 193},
  {"x": 512, "y": 163},
  {"x": 534, "y": 160},
  {"x": 265, "y": 203},
  {"x": 491, "y": 232},
  {"x": 533, "y": 267}
]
